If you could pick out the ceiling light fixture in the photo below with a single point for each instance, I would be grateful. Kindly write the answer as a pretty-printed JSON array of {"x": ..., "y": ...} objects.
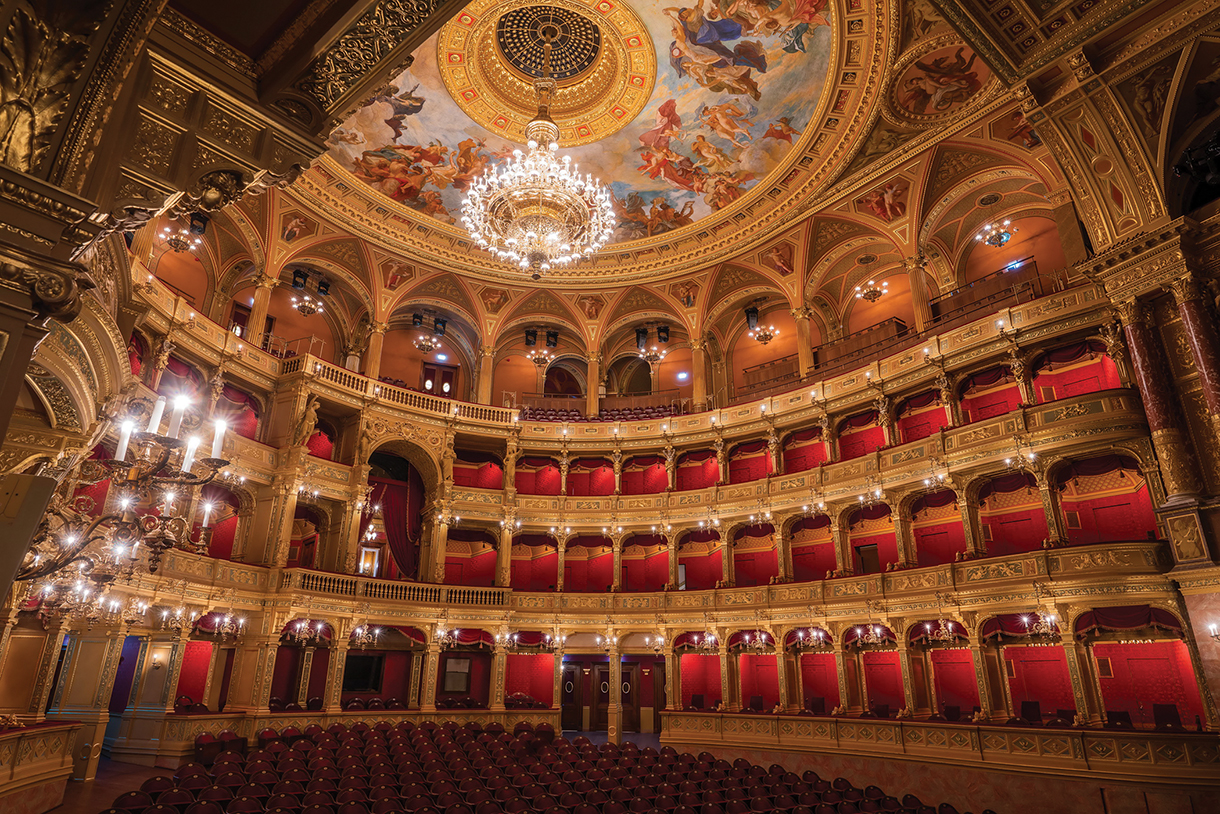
[
  {"x": 652, "y": 355},
  {"x": 541, "y": 358},
  {"x": 763, "y": 335},
  {"x": 997, "y": 234},
  {"x": 427, "y": 344},
  {"x": 538, "y": 211},
  {"x": 872, "y": 291}
]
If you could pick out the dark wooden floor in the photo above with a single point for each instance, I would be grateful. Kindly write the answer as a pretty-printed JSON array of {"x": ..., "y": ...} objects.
[{"x": 81, "y": 797}]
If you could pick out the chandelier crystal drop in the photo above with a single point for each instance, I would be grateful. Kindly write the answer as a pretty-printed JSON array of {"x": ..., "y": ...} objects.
[
  {"x": 872, "y": 290},
  {"x": 537, "y": 211},
  {"x": 997, "y": 234}
]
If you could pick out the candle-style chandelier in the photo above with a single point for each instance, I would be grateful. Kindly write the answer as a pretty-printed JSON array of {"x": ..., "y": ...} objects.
[
  {"x": 757, "y": 641},
  {"x": 763, "y": 334},
  {"x": 538, "y": 212},
  {"x": 540, "y": 357},
  {"x": 446, "y": 637},
  {"x": 943, "y": 631},
  {"x": 227, "y": 626},
  {"x": 426, "y": 344},
  {"x": 655, "y": 643},
  {"x": 365, "y": 635},
  {"x": 997, "y": 234},
  {"x": 869, "y": 634},
  {"x": 181, "y": 239},
  {"x": 153, "y": 489},
  {"x": 305, "y": 632},
  {"x": 813, "y": 638},
  {"x": 872, "y": 290},
  {"x": 1024, "y": 459},
  {"x": 651, "y": 355}
]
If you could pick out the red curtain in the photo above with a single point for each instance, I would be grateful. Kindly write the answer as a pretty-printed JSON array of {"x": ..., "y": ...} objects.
[
  {"x": 697, "y": 470},
  {"x": 136, "y": 349},
  {"x": 178, "y": 378},
  {"x": 883, "y": 679},
  {"x": 749, "y": 461},
  {"x": 396, "y": 511},
  {"x": 239, "y": 410},
  {"x": 320, "y": 445},
  {"x": 804, "y": 450},
  {"x": 820, "y": 679},
  {"x": 1126, "y": 617}
]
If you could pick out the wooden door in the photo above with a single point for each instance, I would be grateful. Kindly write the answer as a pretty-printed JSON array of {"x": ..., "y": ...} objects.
[
  {"x": 571, "y": 698},
  {"x": 630, "y": 693},
  {"x": 601, "y": 697},
  {"x": 659, "y": 699}
]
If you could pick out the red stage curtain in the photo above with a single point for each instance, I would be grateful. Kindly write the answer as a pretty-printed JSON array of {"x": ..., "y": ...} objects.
[
  {"x": 700, "y": 675},
  {"x": 194, "y": 674},
  {"x": 1039, "y": 674},
  {"x": 759, "y": 676},
  {"x": 532, "y": 674},
  {"x": 956, "y": 686},
  {"x": 883, "y": 679},
  {"x": 820, "y": 679}
]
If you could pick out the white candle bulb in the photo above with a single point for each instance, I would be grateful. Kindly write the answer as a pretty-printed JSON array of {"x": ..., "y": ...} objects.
[
  {"x": 175, "y": 420},
  {"x": 207, "y": 514},
  {"x": 218, "y": 440},
  {"x": 120, "y": 452},
  {"x": 154, "y": 422},
  {"x": 192, "y": 446}
]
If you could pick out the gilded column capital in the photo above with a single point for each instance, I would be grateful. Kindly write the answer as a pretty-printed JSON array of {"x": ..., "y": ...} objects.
[
  {"x": 378, "y": 327},
  {"x": 1133, "y": 312},
  {"x": 51, "y": 285},
  {"x": 698, "y": 344},
  {"x": 1185, "y": 288},
  {"x": 267, "y": 281},
  {"x": 487, "y": 352},
  {"x": 804, "y": 312}
]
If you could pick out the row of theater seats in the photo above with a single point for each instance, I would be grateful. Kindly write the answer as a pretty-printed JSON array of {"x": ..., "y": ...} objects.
[
  {"x": 447, "y": 769},
  {"x": 617, "y": 414}
]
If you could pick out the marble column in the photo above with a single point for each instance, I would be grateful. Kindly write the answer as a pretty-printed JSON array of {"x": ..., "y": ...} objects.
[
  {"x": 487, "y": 370},
  {"x": 440, "y": 542},
  {"x": 593, "y": 379},
  {"x": 919, "y": 292},
  {"x": 372, "y": 356},
  {"x": 1200, "y": 330},
  {"x": 257, "y": 321},
  {"x": 1178, "y": 467},
  {"x": 698, "y": 374},
  {"x": 804, "y": 341}
]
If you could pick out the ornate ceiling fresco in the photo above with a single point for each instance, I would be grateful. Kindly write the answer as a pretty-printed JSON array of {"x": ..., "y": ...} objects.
[{"x": 679, "y": 110}]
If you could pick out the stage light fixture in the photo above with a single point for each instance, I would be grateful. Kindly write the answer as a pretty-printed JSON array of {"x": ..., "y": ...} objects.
[
  {"x": 531, "y": 337},
  {"x": 662, "y": 333},
  {"x": 752, "y": 317},
  {"x": 299, "y": 276},
  {"x": 552, "y": 339},
  {"x": 641, "y": 338},
  {"x": 438, "y": 326},
  {"x": 417, "y": 320}
]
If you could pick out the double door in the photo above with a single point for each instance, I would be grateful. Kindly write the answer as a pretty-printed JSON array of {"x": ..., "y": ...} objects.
[{"x": 579, "y": 704}]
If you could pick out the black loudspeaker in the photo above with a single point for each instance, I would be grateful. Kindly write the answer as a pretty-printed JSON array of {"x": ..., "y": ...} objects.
[
  {"x": 552, "y": 339},
  {"x": 531, "y": 338},
  {"x": 663, "y": 333},
  {"x": 198, "y": 224},
  {"x": 417, "y": 320},
  {"x": 641, "y": 338},
  {"x": 299, "y": 276},
  {"x": 438, "y": 326},
  {"x": 752, "y": 317}
]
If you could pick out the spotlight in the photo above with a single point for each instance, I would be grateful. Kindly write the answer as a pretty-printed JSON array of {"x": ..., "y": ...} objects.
[
  {"x": 531, "y": 337},
  {"x": 662, "y": 333},
  {"x": 299, "y": 276},
  {"x": 641, "y": 338},
  {"x": 438, "y": 326},
  {"x": 323, "y": 288},
  {"x": 198, "y": 223},
  {"x": 417, "y": 320},
  {"x": 552, "y": 339},
  {"x": 752, "y": 317}
]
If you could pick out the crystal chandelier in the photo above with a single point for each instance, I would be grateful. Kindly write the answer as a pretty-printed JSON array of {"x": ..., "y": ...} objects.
[
  {"x": 541, "y": 358},
  {"x": 942, "y": 632},
  {"x": 652, "y": 355},
  {"x": 308, "y": 304},
  {"x": 181, "y": 239},
  {"x": 427, "y": 344},
  {"x": 608, "y": 642},
  {"x": 446, "y": 637},
  {"x": 163, "y": 476},
  {"x": 869, "y": 634},
  {"x": 873, "y": 494},
  {"x": 229, "y": 626},
  {"x": 365, "y": 635},
  {"x": 655, "y": 643},
  {"x": 553, "y": 641},
  {"x": 1041, "y": 624},
  {"x": 812, "y": 639},
  {"x": 757, "y": 641},
  {"x": 305, "y": 632},
  {"x": 872, "y": 291},
  {"x": 997, "y": 234},
  {"x": 177, "y": 618},
  {"x": 764, "y": 335},
  {"x": 538, "y": 212}
]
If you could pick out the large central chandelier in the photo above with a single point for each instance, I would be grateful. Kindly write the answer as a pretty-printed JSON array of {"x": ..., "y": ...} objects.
[{"x": 537, "y": 212}]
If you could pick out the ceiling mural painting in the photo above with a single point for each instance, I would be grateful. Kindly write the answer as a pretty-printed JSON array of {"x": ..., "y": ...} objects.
[
  {"x": 679, "y": 110},
  {"x": 937, "y": 80}
]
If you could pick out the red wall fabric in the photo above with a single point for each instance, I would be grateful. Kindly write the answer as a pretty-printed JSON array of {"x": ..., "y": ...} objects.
[
  {"x": 746, "y": 467},
  {"x": 918, "y": 425},
  {"x": 480, "y": 676},
  {"x": 128, "y": 658},
  {"x": 591, "y": 482},
  {"x": 478, "y": 476},
  {"x": 282, "y": 676},
  {"x": 532, "y": 674},
  {"x": 855, "y": 443},
  {"x": 804, "y": 456},
  {"x": 1090, "y": 377},
  {"x": 1039, "y": 674},
  {"x": 537, "y": 574},
  {"x": 703, "y": 571},
  {"x": 887, "y": 549},
  {"x": 651, "y": 480},
  {"x": 755, "y": 567},
  {"x": 395, "y": 677},
  {"x": 318, "y": 668},
  {"x": 476, "y": 571},
  {"x": 194, "y": 675},
  {"x": 1015, "y": 531},
  {"x": 1149, "y": 673},
  {"x": 320, "y": 445},
  {"x": 700, "y": 675},
  {"x": 939, "y": 543},
  {"x": 883, "y": 679},
  {"x": 588, "y": 574},
  {"x": 820, "y": 679},
  {"x": 953, "y": 675},
  {"x": 990, "y": 404},
  {"x": 223, "y": 535},
  {"x": 1110, "y": 519},
  {"x": 645, "y": 574},
  {"x": 697, "y": 475},
  {"x": 812, "y": 562},
  {"x": 759, "y": 676}
]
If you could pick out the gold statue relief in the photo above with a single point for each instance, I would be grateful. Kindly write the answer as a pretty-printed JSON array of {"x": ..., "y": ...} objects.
[{"x": 1187, "y": 537}]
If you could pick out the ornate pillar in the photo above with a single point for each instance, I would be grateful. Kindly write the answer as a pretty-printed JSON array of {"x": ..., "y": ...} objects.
[
  {"x": 283, "y": 511},
  {"x": 565, "y": 466},
  {"x": 432, "y": 656},
  {"x": 968, "y": 512},
  {"x": 487, "y": 370},
  {"x": 841, "y": 674},
  {"x": 948, "y": 399},
  {"x": 617, "y": 458},
  {"x": 671, "y": 466},
  {"x": 1020, "y": 372},
  {"x": 1156, "y": 391},
  {"x": 930, "y": 672},
  {"x": 332, "y": 696},
  {"x": 557, "y": 677},
  {"x": 372, "y": 356},
  {"x": 504, "y": 554},
  {"x": 1086, "y": 704},
  {"x": 1200, "y": 330},
  {"x": 256, "y": 323},
  {"x": 722, "y": 468},
  {"x": 842, "y": 560},
  {"x": 306, "y": 667},
  {"x": 672, "y": 550},
  {"x": 774, "y": 452},
  {"x": 919, "y": 291},
  {"x": 903, "y": 536},
  {"x": 499, "y": 674},
  {"x": 413, "y": 686},
  {"x": 908, "y": 674},
  {"x": 616, "y": 543},
  {"x": 593, "y": 378},
  {"x": 698, "y": 363},
  {"x": 804, "y": 340},
  {"x": 781, "y": 671},
  {"x": 728, "y": 676},
  {"x": 673, "y": 681},
  {"x": 561, "y": 544},
  {"x": 654, "y": 377},
  {"x": 783, "y": 553},
  {"x": 1055, "y": 536},
  {"x": 440, "y": 542},
  {"x": 83, "y": 693},
  {"x": 886, "y": 419},
  {"x": 614, "y": 725},
  {"x": 728, "y": 576}
]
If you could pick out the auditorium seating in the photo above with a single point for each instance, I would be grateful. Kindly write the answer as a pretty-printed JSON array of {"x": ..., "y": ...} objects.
[
  {"x": 616, "y": 414},
  {"x": 432, "y": 768}
]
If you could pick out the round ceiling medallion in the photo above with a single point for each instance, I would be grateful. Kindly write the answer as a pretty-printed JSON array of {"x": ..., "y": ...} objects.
[
  {"x": 575, "y": 40},
  {"x": 990, "y": 199},
  {"x": 603, "y": 60},
  {"x": 866, "y": 259}
]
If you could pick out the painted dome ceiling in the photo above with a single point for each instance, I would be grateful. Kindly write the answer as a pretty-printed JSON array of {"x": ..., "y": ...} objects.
[{"x": 680, "y": 110}]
